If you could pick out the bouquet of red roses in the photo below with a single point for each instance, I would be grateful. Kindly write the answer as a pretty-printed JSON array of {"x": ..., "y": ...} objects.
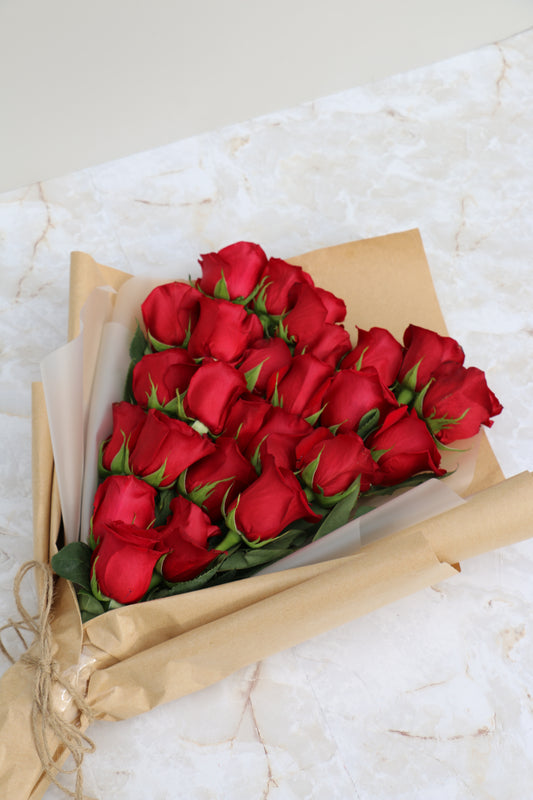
[{"x": 251, "y": 427}]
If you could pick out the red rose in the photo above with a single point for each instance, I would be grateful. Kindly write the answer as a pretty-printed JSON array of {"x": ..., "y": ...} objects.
[
  {"x": 128, "y": 420},
  {"x": 265, "y": 358},
  {"x": 224, "y": 473},
  {"x": 124, "y": 561},
  {"x": 278, "y": 437},
  {"x": 158, "y": 376},
  {"x": 340, "y": 460},
  {"x": 212, "y": 391},
  {"x": 122, "y": 498},
  {"x": 330, "y": 347},
  {"x": 408, "y": 448},
  {"x": 246, "y": 416},
  {"x": 458, "y": 402},
  {"x": 335, "y": 306},
  {"x": 165, "y": 447},
  {"x": 300, "y": 388},
  {"x": 379, "y": 349},
  {"x": 233, "y": 271},
  {"x": 170, "y": 312},
  {"x": 224, "y": 330},
  {"x": 269, "y": 504},
  {"x": 425, "y": 352},
  {"x": 350, "y": 395},
  {"x": 185, "y": 538},
  {"x": 280, "y": 285},
  {"x": 307, "y": 317}
]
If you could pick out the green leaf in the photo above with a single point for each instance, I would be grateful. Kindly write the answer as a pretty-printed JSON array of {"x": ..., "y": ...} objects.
[
  {"x": 73, "y": 562},
  {"x": 90, "y": 604},
  {"x": 138, "y": 345},
  {"x": 337, "y": 517},
  {"x": 167, "y": 589}
]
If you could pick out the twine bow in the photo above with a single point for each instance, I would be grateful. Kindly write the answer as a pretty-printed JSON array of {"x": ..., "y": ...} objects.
[{"x": 46, "y": 720}]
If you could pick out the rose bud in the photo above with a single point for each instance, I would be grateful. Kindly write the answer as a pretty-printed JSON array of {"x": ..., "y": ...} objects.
[
  {"x": 122, "y": 498},
  {"x": 278, "y": 437},
  {"x": 233, "y": 272},
  {"x": 336, "y": 462},
  {"x": 170, "y": 312},
  {"x": 212, "y": 391},
  {"x": 352, "y": 394},
  {"x": 265, "y": 358},
  {"x": 123, "y": 563},
  {"x": 425, "y": 352},
  {"x": 185, "y": 537},
  {"x": 165, "y": 447},
  {"x": 218, "y": 477},
  {"x": 246, "y": 416},
  {"x": 280, "y": 281},
  {"x": 158, "y": 376},
  {"x": 404, "y": 447},
  {"x": 379, "y": 349},
  {"x": 269, "y": 504},
  {"x": 458, "y": 402},
  {"x": 128, "y": 420},
  {"x": 224, "y": 331},
  {"x": 300, "y": 388}
]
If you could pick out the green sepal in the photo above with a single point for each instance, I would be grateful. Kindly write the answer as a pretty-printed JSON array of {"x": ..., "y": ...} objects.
[
  {"x": 308, "y": 472},
  {"x": 312, "y": 419},
  {"x": 283, "y": 333},
  {"x": 121, "y": 461},
  {"x": 437, "y": 424},
  {"x": 359, "y": 364},
  {"x": 376, "y": 454},
  {"x": 252, "y": 375},
  {"x": 410, "y": 378},
  {"x": 368, "y": 423},
  {"x": 155, "y": 478},
  {"x": 335, "y": 428},
  {"x": 156, "y": 345},
  {"x": 102, "y": 471},
  {"x": 95, "y": 589},
  {"x": 157, "y": 574},
  {"x": 419, "y": 401},
  {"x": 329, "y": 501},
  {"x": 199, "y": 494},
  {"x": 176, "y": 408},
  {"x": 221, "y": 288},
  {"x": 73, "y": 562}
]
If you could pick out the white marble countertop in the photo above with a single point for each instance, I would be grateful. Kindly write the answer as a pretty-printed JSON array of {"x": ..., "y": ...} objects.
[{"x": 430, "y": 698}]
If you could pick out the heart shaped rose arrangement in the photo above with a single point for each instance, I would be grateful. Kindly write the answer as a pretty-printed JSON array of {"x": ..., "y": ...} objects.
[{"x": 251, "y": 426}]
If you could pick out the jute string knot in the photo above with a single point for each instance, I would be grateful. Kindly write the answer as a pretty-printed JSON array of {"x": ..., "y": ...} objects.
[{"x": 47, "y": 721}]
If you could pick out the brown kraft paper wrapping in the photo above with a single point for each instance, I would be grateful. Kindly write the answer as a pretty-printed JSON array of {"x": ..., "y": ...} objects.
[{"x": 140, "y": 656}]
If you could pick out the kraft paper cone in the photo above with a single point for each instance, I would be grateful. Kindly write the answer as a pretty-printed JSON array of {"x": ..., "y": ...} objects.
[{"x": 140, "y": 656}]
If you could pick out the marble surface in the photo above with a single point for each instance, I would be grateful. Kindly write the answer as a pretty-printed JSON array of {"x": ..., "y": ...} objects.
[{"x": 430, "y": 698}]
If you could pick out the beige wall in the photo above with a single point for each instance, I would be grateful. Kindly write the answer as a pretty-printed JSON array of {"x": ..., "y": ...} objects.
[{"x": 86, "y": 82}]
